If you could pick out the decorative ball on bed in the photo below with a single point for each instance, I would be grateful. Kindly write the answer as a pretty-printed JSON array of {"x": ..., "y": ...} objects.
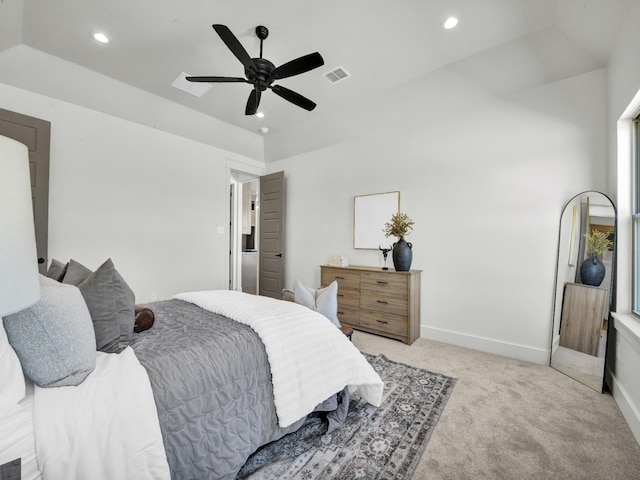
[{"x": 144, "y": 319}]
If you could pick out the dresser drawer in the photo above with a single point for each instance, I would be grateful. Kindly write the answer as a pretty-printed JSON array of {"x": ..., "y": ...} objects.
[
  {"x": 386, "y": 283},
  {"x": 348, "y": 284},
  {"x": 385, "y": 322},
  {"x": 349, "y": 314},
  {"x": 387, "y": 303},
  {"x": 346, "y": 279},
  {"x": 348, "y": 296}
]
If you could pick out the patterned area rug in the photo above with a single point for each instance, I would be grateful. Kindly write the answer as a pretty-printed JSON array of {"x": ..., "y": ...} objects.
[{"x": 374, "y": 443}]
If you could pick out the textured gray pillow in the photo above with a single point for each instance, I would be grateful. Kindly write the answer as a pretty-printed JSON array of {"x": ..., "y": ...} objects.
[
  {"x": 54, "y": 338},
  {"x": 76, "y": 273},
  {"x": 57, "y": 270},
  {"x": 111, "y": 303}
]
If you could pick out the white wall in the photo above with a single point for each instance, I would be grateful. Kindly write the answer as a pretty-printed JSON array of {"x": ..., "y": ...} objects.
[
  {"x": 485, "y": 182},
  {"x": 624, "y": 103},
  {"x": 150, "y": 200}
]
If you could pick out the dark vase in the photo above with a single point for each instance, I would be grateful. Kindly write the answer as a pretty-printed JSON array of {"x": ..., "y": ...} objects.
[
  {"x": 592, "y": 271},
  {"x": 402, "y": 255}
]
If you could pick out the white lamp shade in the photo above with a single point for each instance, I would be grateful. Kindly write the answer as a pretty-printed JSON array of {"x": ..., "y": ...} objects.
[{"x": 19, "y": 282}]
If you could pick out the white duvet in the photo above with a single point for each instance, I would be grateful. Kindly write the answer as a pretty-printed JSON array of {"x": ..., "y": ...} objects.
[
  {"x": 105, "y": 428},
  {"x": 310, "y": 358}
]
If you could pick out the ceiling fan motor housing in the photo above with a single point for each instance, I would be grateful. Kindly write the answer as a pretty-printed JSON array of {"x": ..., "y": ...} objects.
[{"x": 259, "y": 73}]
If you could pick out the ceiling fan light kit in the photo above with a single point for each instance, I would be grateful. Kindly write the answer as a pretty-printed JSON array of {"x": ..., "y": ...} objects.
[{"x": 261, "y": 73}]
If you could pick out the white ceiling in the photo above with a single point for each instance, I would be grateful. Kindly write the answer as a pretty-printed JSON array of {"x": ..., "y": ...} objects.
[{"x": 384, "y": 45}]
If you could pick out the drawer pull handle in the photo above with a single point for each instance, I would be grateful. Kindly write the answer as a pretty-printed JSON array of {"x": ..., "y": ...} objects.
[
  {"x": 340, "y": 294},
  {"x": 381, "y": 282},
  {"x": 382, "y": 301},
  {"x": 338, "y": 278},
  {"x": 340, "y": 313},
  {"x": 382, "y": 321}
]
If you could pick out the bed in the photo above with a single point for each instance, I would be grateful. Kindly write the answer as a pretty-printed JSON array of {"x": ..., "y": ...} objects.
[{"x": 219, "y": 374}]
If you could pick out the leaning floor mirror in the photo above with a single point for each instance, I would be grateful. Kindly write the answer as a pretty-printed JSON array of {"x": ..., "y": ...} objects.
[{"x": 583, "y": 291}]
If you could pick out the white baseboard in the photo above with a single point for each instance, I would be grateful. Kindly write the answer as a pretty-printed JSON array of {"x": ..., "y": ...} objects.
[
  {"x": 629, "y": 410},
  {"x": 489, "y": 345}
]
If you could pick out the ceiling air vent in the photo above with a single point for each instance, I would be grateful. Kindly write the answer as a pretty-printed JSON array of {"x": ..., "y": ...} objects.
[
  {"x": 195, "y": 89},
  {"x": 334, "y": 76}
]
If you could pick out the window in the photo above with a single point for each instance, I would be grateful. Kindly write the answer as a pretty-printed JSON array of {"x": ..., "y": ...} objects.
[{"x": 636, "y": 215}]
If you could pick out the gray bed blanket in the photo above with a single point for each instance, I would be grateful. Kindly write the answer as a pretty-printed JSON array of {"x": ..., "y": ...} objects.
[{"x": 212, "y": 386}]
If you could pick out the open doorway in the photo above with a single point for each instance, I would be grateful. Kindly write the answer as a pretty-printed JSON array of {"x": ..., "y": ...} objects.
[{"x": 243, "y": 232}]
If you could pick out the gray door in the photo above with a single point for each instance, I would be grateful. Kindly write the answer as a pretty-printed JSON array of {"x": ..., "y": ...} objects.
[
  {"x": 271, "y": 263},
  {"x": 35, "y": 134}
]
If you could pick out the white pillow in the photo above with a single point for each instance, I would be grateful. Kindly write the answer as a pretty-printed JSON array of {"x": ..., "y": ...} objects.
[
  {"x": 322, "y": 300},
  {"x": 11, "y": 376}
]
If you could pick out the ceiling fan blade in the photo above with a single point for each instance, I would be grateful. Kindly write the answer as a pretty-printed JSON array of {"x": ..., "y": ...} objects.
[
  {"x": 298, "y": 66},
  {"x": 293, "y": 97},
  {"x": 217, "y": 79},
  {"x": 234, "y": 45},
  {"x": 253, "y": 102}
]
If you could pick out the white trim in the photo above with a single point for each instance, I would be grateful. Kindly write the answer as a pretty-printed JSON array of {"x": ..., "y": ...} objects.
[
  {"x": 625, "y": 403},
  {"x": 247, "y": 165},
  {"x": 489, "y": 345},
  {"x": 629, "y": 327}
]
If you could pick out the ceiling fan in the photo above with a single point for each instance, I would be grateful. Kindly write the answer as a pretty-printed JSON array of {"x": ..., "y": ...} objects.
[{"x": 261, "y": 73}]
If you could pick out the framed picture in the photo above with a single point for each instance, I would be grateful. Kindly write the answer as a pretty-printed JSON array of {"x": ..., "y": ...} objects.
[{"x": 370, "y": 213}]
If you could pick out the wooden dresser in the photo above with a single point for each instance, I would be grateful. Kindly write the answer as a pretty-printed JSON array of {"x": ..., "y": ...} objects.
[
  {"x": 582, "y": 317},
  {"x": 384, "y": 302}
]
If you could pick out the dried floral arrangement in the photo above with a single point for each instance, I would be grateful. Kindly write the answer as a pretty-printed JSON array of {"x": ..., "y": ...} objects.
[
  {"x": 399, "y": 226},
  {"x": 598, "y": 242}
]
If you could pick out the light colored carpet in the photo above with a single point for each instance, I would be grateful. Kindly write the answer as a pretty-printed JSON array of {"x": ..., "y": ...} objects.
[{"x": 509, "y": 419}]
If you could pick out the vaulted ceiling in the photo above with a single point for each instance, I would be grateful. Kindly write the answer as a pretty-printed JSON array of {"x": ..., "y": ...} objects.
[{"x": 500, "y": 44}]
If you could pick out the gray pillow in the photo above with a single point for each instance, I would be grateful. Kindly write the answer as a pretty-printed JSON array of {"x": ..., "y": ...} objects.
[
  {"x": 111, "y": 303},
  {"x": 57, "y": 270},
  {"x": 76, "y": 273},
  {"x": 54, "y": 338}
]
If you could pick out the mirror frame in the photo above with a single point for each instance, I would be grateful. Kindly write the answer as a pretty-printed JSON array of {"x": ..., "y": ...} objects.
[{"x": 558, "y": 296}]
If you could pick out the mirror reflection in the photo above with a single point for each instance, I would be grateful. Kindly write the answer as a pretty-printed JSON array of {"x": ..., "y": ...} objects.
[{"x": 583, "y": 290}]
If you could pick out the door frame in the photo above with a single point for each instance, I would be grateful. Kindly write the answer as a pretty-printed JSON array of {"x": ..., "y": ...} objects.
[{"x": 251, "y": 168}]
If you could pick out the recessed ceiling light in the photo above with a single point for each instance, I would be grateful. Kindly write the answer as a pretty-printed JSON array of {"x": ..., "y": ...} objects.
[
  {"x": 264, "y": 130},
  {"x": 260, "y": 114},
  {"x": 101, "y": 37},
  {"x": 450, "y": 23}
]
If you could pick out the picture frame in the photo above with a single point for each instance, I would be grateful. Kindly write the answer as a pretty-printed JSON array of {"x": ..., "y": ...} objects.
[{"x": 370, "y": 213}]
